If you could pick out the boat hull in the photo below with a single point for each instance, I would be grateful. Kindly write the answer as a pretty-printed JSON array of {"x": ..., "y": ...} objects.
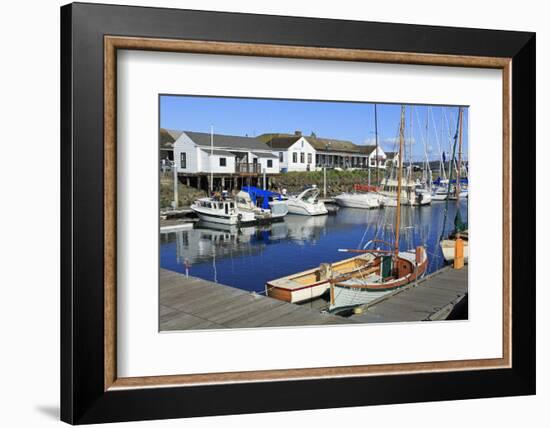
[
  {"x": 302, "y": 209},
  {"x": 363, "y": 201},
  {"x": 312, "y": 283},
  {"x": 356, "y": 291},
  {"x": 278, "y": 209},
  {"x": 448, "y": 249},
  {"x": 234, "y": 219}
]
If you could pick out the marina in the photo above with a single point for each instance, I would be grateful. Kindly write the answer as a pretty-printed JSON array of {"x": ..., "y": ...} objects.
[{"x": 360, "y": 236}]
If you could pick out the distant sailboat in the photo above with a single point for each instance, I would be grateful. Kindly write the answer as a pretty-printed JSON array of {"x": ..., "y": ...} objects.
[{"x": 460, "y": 231}]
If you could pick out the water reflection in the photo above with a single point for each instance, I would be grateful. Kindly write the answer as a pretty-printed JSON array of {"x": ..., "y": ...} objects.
[{"x": 248, "y": 257}]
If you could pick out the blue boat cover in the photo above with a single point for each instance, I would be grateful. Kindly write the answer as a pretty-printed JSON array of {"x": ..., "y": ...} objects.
[{"x": 255, "y": 192}]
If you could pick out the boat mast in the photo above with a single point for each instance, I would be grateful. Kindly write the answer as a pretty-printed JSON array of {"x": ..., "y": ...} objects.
[
  {"x": 399, "y": 178},
  {"x": 211, "y": 159},
  {"x": 376, "y": 140},
  {"x": 458, "y": 175}
]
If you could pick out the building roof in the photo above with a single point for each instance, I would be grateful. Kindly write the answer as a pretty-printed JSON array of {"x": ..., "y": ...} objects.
[
  {"x": 367, "y": 149},
  {"x": 266, "y": 155},
  {"x": 174, "y": 133},
  {"x": 284, "y": 141},
  {"x": 390, "y": 155},
  {"x": 333, "y": 145},
  {"x": 226, "y": 141},
  {"x": 217, "y": 152},
  {"x": 166, "y": 140}
]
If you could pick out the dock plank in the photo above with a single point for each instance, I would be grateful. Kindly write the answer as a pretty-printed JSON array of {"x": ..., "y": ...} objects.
[{"x": 430, "y": 299}]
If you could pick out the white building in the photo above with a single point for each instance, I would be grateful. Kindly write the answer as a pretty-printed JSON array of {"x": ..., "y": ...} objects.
[
  {"x": 371, "y": 153},
  {"x": 294, "y": 153},
  {"x": 309, "y": 153},
  {"x": 194, "y": 153}
]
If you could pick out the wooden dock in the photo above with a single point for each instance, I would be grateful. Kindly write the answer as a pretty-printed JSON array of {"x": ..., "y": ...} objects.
[
  {"x": 433, "y": 298},
  {"x": 194, "y": 304}
]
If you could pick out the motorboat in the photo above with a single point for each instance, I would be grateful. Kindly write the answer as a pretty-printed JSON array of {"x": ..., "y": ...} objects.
[
  {"x": 367, "y": 200},
  {"x": 307, "y": 203},
  {"x": 245, "y": 204},
  {"x": 220, "y": 210}
]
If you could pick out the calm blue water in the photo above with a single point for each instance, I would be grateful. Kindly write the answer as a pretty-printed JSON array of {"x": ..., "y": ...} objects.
[{"x": 250, "y": 257}]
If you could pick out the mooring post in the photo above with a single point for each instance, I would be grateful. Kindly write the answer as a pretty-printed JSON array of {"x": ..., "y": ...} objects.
[
  {"x": 175, "y": 173},
  {"x": 459, "y": 254}
]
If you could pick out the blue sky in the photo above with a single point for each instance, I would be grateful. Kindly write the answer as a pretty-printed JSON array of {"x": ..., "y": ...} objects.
[{"x": 339, "y": 120}]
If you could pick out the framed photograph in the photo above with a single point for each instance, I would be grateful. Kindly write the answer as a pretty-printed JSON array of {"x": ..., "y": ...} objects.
[{"x": 276, "y": 213}]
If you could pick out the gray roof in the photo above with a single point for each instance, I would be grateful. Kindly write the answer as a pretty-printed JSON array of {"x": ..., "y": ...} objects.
[
  {"x": 226, "y": 141},
  {"x": 266, "y": 155},
  {"x": 217, "y": 152},
  {"x": 367, "y": 149},
  {"x": 174, "y": 133}
]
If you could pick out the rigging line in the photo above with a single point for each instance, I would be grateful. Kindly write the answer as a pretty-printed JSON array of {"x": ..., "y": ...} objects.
[
  {"x": 450, "y": 179},
  {"x": 437, "y": 138},
  {"x": 424, "y": 142}
]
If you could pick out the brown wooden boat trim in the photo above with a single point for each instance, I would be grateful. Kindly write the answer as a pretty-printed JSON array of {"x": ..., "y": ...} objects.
[
  {"x": 113, "y": 43},
  {"x": 387, "y": 286}
]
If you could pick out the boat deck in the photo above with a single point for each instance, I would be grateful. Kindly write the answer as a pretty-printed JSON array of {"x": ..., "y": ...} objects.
[{"x": 194, "y": 304}]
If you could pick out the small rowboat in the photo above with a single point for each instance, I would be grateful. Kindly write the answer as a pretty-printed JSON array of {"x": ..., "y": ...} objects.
[{"x": 313, "y": 283}]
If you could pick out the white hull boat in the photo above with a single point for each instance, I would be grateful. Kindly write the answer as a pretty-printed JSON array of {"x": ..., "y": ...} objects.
[
  {"x": 278, "y": 209},
  {"x": 423, "y": 197},
  {"x": 306, "y": 203},
  {"x": 370, "y": 286},
  {"x": 358, "y": 200},
  {"x": 264, "y": 204},
  {"x": 463, "y": 195},
  {"x": 448, "y": 249},
  {"x": 223, "y": 211},
  {"x": 439, "y": 194}
]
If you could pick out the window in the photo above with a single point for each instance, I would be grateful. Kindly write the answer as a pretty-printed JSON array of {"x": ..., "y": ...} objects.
[
  {"x": 183, "y": 160},
  {"x": 270, "y": 163},
  {"x": 295, "y": 157},
  {"x": 309, "y": 157},
  {"x": 223, "y": 162},
  {"x": 302, "y": 157},
  {"x": 281, "y": 156}
]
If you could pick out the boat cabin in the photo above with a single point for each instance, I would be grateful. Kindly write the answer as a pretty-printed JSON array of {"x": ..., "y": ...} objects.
[{"x": 225, "y": 205}]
